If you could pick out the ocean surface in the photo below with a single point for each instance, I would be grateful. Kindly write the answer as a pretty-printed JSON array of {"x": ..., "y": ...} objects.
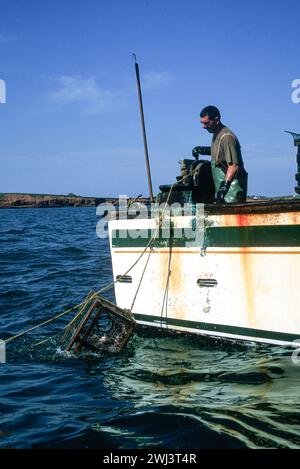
[{"x": 162, "y": 391}]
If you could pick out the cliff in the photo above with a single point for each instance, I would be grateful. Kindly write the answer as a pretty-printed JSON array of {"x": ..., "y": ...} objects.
[
  {"x": 8, "y": 200},
  {"x": 44, "y": 200}
]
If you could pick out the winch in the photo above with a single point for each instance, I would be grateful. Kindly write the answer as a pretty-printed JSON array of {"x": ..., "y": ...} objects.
[{"x": 195, "y": 184}]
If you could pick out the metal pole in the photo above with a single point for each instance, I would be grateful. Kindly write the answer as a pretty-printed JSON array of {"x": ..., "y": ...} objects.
[{"x": 143, "y": 128}]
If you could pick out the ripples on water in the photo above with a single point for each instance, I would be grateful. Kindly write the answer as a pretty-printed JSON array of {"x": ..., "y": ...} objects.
[{"x": 161, "y": 392}]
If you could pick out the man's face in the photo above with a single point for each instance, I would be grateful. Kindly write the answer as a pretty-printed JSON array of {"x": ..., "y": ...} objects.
[{"x": 210, "y": 125}]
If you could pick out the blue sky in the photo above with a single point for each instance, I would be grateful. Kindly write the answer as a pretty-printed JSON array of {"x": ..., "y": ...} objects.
[{"x": 71, "y": 119}]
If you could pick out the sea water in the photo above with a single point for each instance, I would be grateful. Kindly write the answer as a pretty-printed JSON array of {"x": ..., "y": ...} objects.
[{"x": 160, "y": 392}]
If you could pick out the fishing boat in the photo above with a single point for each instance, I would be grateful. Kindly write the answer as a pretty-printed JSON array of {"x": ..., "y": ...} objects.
[
  {"x": 237, "y": 279},
  {"x": 220, "y": 270}
]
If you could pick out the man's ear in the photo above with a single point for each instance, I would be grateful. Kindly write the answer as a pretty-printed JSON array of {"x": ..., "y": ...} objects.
[{"x": 217, "y": 120}]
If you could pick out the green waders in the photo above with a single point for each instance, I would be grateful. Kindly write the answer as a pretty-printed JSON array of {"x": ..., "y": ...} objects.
[{"x": 238, "y": 188}]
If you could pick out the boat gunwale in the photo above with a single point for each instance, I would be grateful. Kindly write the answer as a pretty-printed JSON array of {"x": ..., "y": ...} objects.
[{"x": 271, "y": 205}]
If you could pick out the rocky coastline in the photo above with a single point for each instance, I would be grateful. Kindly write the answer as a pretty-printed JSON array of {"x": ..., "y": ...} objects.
[{"x": 20, "y": 200}]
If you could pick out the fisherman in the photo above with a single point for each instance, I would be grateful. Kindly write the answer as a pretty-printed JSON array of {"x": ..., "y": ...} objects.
[{"x": 229, "y": 174}]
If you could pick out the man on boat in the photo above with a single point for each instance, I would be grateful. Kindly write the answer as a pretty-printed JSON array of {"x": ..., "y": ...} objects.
[{"x": 229, "y": 174}]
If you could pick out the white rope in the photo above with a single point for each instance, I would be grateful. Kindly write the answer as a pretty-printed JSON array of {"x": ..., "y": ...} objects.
[{"x": 103, "y": 289}]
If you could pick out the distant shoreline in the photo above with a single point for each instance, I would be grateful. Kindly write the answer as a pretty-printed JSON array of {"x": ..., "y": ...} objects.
[{"x": 23, "y": 200}]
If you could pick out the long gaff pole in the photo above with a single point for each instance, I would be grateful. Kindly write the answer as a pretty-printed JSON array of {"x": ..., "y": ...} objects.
[{"x": 143, "y": 127}]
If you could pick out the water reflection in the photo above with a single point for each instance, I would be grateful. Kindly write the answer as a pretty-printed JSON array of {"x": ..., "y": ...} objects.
[{"x": 248, "y": 395}]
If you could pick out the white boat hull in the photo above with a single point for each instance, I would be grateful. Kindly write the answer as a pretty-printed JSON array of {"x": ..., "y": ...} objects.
[{"x": 246, "y": 292}]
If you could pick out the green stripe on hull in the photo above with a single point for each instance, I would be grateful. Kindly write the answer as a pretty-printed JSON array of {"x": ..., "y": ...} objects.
[
  {"x": 232, "y": 236},
  {"x": 125, "y": 239},
  {"x": 253, "y": 236},
  {"x": 221, "y": 328}
]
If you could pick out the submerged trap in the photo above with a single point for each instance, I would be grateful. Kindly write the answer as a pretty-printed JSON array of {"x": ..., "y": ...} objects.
[{"x": 100, "y": 326}]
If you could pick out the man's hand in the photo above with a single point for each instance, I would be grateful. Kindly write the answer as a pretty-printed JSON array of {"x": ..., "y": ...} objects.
[
  {"x": 223, "y": 189},
  {"x": 200, "y": 151}
]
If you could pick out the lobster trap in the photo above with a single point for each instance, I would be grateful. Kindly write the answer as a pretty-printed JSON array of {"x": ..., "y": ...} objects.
[{"x": 99, "y": 326}]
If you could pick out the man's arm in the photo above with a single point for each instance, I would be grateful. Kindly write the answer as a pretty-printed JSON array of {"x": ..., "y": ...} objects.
[
  {"x": 231, "y": 148},
  {"x": 232, "y": 153},
  {"x": 231, "y": 172}
]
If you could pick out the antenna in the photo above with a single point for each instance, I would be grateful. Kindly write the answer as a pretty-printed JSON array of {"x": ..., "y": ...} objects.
[{"x": 138, "y": 81}]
